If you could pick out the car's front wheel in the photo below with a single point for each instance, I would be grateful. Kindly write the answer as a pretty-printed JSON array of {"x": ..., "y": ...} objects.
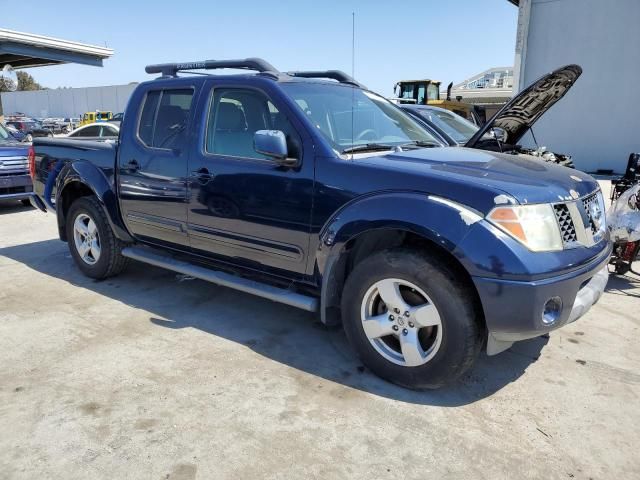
[
  {"x": 93, "y": 245},
  {"x": 28, "y": 137},
  {"x": 411, "y": 319}
]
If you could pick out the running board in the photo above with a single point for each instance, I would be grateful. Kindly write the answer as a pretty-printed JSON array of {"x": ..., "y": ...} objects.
[{"x": 263, "y": 290}]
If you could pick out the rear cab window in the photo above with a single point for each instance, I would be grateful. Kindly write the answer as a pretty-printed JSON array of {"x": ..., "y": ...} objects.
[{"x": 164, "y": 118}]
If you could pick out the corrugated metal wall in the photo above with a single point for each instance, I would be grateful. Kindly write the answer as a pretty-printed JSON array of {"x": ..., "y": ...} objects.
[
  {"x": 597, "y": 121},
  {"x": 67, "y": 102}
]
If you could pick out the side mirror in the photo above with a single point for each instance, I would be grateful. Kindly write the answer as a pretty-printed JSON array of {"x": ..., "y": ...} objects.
[
  {"x": 273, "y": 144},
  {"x": 500, "y": 134}
]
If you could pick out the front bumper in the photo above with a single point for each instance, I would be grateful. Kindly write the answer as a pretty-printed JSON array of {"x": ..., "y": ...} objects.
[
  {"x": 514, "y": 309},
  {"x": 15, "y": 187}
]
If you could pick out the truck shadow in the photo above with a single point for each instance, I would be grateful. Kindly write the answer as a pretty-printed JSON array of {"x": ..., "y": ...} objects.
[
  {"x": 13, "y": 206},
  {"x": 280, "y": 333},
  {"x": 626, "y": 284}
]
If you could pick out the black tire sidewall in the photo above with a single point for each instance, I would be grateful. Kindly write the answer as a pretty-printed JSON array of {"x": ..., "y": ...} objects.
[
  {"x": 460, "y": 328},
  {"x": 99, "y": 269}
]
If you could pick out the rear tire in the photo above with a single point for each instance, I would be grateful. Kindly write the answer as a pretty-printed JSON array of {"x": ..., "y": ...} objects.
[
  {"x": 439, "y": 332},
  {"x": 93, "y": 245},
  {"x": 25, "y": 202}
]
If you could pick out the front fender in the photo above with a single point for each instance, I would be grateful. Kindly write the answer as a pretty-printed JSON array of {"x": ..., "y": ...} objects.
[
  {"x": 442, "y": 221},
  {"x": 88, "y": 175}
]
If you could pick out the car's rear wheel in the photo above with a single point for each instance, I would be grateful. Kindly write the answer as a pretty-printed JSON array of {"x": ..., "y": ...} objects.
[
  {"x": 411, "y": 319},
  {"x": 92, "y": 243}
]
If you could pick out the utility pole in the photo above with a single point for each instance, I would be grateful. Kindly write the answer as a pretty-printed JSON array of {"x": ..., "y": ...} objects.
[{"x": 353, "y": 44}]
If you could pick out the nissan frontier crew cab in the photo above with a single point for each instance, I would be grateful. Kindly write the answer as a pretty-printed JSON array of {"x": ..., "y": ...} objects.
[{"x": 308, "y": 189}]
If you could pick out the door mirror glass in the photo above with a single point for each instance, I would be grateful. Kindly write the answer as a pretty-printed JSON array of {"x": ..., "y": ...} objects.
[{"x": 271, "y": 143}]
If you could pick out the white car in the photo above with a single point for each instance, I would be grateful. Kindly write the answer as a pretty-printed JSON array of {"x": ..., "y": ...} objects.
[{"x": 96, "y": 131}]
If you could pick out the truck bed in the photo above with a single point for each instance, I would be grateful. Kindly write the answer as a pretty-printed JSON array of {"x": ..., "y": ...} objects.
[{"x": 50, "y": 151}]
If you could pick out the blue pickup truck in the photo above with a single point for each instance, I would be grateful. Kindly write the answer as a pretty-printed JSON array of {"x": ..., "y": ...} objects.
[
  {"x": 15, "y": 182},
  {"x": 308, "y": 189}
]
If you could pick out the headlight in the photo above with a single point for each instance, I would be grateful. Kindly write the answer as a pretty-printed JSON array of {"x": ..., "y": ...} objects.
[{"x": 535, "y": 226}]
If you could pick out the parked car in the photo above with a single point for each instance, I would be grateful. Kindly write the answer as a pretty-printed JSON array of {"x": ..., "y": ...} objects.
[
  {"x": 30, "y": 128},
  {"x": 323, "y": 195},
  {"x": 96, "y": 131},
  {"x": 15, "y": 182},
  {"x": 59, "y": 125},
  {"x": 455, "y": 130},
  {"x": 15, "y": 133}
]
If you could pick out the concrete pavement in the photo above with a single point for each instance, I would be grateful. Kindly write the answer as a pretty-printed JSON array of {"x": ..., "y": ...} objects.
[{"x": 151, "y": 375}]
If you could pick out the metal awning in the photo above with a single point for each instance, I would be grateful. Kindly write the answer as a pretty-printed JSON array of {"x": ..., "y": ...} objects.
[{"x": 23, "y": 50}]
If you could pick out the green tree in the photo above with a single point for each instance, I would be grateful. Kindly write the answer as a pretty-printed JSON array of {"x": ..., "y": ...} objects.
[
  {"x": 27, "y": 82},
  {"x": 6, "y": 85}
]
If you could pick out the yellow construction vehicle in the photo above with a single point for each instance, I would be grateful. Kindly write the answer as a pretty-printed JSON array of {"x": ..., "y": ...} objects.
[{"x": 427, "y": 92}]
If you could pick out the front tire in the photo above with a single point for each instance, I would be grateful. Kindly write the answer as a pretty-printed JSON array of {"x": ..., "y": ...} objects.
[
  {"x": 411, "y": 319},
  {"x": 93, "y": 245}
]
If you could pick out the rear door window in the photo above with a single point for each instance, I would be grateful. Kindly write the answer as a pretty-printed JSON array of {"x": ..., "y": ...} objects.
[
  {"x": 164, "y": 118},
  {"x": 91, "y": 131}
]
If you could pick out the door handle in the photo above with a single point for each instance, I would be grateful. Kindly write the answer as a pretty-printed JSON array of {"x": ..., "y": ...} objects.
[
  {"x": 133, "y": 165},
  {"x": 202, "y": 175}
]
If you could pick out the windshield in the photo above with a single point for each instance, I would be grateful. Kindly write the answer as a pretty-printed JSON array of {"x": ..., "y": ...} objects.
[
  {"x": 458, "y": 128},
  {"x": 351, "y": 118}
]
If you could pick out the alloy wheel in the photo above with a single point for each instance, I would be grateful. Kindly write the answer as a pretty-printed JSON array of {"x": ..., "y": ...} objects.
[
  {"x": 401, "y": 322},
  {"x": 86, "y": 238}
]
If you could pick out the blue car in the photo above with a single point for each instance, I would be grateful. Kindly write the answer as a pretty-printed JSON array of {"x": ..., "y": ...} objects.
[
  {"x": 308, "y": 189},
  {"x": 15, "y": 133},
  {"x": 15, "y": 182}
]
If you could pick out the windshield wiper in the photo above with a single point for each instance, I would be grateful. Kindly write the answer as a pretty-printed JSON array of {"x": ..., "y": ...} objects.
[
  {"x": 421, "y": 143},
  {"x": 368, "y": 147}
]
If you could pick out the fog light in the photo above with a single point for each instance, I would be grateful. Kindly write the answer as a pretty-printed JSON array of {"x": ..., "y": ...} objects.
[{"x": 552, "y": 310}]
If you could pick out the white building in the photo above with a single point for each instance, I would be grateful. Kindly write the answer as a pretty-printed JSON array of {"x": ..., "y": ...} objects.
[
  {"x": 598, "y": 121},
  {"x": 68, "y": 102},
  {"x": 497, "y": 77}
]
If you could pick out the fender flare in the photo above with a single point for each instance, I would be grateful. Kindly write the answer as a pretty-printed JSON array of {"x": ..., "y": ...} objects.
[
  {"x": 88, "y": 175},
  {"x": 436, "y": 219}
]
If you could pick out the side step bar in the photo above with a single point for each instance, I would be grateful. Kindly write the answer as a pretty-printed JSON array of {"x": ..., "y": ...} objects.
[{"x": 276, "y": 294}]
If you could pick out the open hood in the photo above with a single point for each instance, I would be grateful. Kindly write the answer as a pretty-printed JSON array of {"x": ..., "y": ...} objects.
[{"x": 523, "y": 110}]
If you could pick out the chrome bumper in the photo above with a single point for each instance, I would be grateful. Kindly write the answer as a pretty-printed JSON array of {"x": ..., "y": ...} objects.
[{"x": 589, "y": 294}]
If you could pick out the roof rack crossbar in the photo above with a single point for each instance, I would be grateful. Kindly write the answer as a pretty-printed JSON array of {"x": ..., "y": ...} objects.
[
  {"x": 171, "y": 69},
  {"x": 338, "y": 75}
]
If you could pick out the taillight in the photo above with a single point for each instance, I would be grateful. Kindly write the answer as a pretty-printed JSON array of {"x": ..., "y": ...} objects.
[{"x": 31, "y": 156}]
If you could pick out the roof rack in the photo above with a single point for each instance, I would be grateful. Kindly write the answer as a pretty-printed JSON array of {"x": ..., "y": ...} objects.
[
  {"x": 171, "y": 69},
  {"x": 338, "y": 75}
]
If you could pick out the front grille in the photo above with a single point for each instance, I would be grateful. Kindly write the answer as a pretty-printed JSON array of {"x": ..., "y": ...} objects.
[
  {"x": 567, "y": 228},
  {"x": 13, "y": 165},
  {"x": 586, "y": 202}
]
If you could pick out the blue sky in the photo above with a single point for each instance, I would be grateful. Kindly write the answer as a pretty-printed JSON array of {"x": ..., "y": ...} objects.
[{"x": 448, "y": 40}]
